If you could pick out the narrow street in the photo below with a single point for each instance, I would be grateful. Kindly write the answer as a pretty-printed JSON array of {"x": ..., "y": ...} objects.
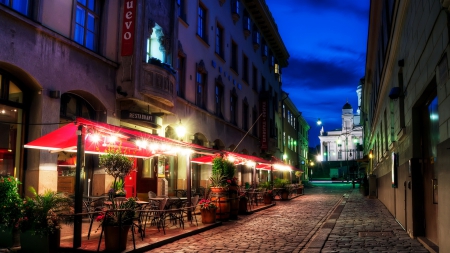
[{"x": 315, "y": 222}]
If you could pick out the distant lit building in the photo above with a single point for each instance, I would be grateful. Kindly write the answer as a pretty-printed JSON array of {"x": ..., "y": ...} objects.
[{"x": 344, "y": 144}]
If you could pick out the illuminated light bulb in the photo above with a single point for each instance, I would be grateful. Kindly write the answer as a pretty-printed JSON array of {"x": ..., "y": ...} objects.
[
  {"x": 112, "y": 139},
  {"x": 95, "y": 138}
]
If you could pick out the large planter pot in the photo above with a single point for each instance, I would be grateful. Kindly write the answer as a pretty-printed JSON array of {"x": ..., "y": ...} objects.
[
  {"x": 40, "y": 243},
  {"x": 285, "y": 195},
  {"x": 268, "y": 199},
  {"x": 116, "y": 238},
  {"x": 208, "y": 216},
  {"x": 9, "y": 237},
  {"x": 233, "y": 197},
  {"x": 220, "y": 197},
  {"x": 300, "y": 190},
  {"x": 243, "y": 202}
]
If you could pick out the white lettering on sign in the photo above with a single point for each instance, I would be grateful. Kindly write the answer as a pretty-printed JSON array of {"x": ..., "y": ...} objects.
[{"x": 128, "y": 27}]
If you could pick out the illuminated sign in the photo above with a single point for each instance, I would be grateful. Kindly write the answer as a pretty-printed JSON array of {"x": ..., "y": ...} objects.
[{"x": 129, "y": 12}]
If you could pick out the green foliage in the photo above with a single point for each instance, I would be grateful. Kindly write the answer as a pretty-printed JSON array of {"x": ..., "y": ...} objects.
[
  {"x": 44, "y": 212},
  {"x": 122, "y": 213},
  {"x": 265, "y": 185},
  {"x": 223, "y": 167},
  {"x": 10, "y": 202},
  {"x": 217, "y": 180},
  {"x": 116, "y": 165},
  {"x": 280, "y": 183}
]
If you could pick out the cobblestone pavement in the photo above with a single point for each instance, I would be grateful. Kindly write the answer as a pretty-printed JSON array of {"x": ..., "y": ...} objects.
[{"x": 329, "y": 218}]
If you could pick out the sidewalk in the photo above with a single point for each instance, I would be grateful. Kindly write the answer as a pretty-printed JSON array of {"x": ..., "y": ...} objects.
[{"x": 360, "y": 224}]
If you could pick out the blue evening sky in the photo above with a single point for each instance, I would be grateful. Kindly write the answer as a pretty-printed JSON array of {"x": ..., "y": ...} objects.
[{"x": 326, "y": 40}]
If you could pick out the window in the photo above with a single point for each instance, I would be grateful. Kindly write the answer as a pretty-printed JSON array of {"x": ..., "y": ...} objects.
[
  {"x": 182, "y": 9},
  {"x": 234, "y": 56},
  {"x": 263, "y": 83},
  {"x": 255, "y": 78},
  {"x": 154, "y": 47},
  {"x": 247, "y": 26},
  {"x": 73, "y": 106},
  {"x": 245, "y": 114},
  {"x": 201, "y": 85},
  {"x": 181, "y": 74},
  {"x": 264, "y": 51},
  {"x": 256, "y": 38},
  {"x": 201, "y": 23},
  {"x": 21, "y": 6},
  {"x": 233, "y": 107},
  {"x": 219, "y": 97},
  {"x": 245, "y": 68},
  {"x": 235, "y": 6},
  {"x": 255, "y": 118},
  {"x": 87, "y": 19},
  {"x": 219, "y": 40},
  {"x": 284, "y": 111}
]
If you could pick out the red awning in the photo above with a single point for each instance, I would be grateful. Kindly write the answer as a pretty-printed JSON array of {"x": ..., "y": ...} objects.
[
  {"x": 99, "y": 137},
  {"x": 237, "y": 158}
]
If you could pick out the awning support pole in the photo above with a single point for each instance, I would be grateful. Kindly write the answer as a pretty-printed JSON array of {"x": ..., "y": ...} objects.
[
  {"x": 188, "y": 184},
  {"x": 79, "y": 188}
]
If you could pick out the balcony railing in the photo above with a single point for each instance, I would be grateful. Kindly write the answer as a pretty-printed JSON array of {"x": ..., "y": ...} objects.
[{"x": 158, "y": 83}]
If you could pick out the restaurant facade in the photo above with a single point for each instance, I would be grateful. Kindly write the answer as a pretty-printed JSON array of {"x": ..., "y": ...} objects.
[{"x": 142, "y": 66}]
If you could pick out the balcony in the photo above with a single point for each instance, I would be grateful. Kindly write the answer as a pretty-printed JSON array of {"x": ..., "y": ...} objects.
[{"x": 158, "y": 83}]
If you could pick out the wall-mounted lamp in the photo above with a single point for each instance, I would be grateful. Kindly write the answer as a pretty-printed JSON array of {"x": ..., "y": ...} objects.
[
  {"x": 395, "y": 93},
  {"x": 180, "y": 130},
  {"x": 371, "y": 154}
]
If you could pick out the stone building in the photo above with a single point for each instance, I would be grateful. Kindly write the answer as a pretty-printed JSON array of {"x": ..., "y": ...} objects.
[
  {"x": 212, "y": 67},
  {"x": 405, "y": 115}
]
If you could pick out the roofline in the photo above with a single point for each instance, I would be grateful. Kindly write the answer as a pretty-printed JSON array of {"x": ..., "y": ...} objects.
[{"x": 261, "y": 15}]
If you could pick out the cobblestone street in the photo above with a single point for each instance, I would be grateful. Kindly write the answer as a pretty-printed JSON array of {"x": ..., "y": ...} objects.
[{"x": 329, "y": 218}]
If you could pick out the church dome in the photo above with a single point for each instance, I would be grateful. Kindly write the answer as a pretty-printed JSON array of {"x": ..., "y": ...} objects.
[{"x": 347, "y": 106}]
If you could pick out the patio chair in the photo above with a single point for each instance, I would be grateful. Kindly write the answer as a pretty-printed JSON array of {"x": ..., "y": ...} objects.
[
  {"x": 93, "y": 208},
  {"x": 191, "y": 208},
  {"x": 157, "y": 215}
]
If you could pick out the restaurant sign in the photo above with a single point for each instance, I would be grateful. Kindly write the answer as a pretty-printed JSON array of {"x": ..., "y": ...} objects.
[
  {"x": 263, "y": 126},
  {"x": 129, "y": 13},
  {"x": 153, "y": 120}
]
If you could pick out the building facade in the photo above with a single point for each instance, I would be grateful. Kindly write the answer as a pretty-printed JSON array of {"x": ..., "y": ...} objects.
[
  {"x": 405, "y": 115},
  {"x": 212, "y": 67}
]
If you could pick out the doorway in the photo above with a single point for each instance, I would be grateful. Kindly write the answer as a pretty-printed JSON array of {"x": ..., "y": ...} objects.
[{"x": 425, "y": 140}]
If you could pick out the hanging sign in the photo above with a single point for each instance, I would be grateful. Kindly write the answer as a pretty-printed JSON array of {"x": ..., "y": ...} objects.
[
  {"x": 264, "y": 133},
  {"x": 129, "y": 13}
]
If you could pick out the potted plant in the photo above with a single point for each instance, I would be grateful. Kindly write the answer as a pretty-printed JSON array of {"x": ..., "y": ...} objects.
[
  {"x": 10, "y": 204},
  {"x": 118, "y": 166},
  {"x": 282, "y": 185},
  {"x": 40, "y": 220},
  {"x": 116, "y": 223},
  {"x": 268, "y": 194},
  {"x": 208, "y": 211},
  {"x": 219, "y": 195},
  {"x": 227, "y": 168}
]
